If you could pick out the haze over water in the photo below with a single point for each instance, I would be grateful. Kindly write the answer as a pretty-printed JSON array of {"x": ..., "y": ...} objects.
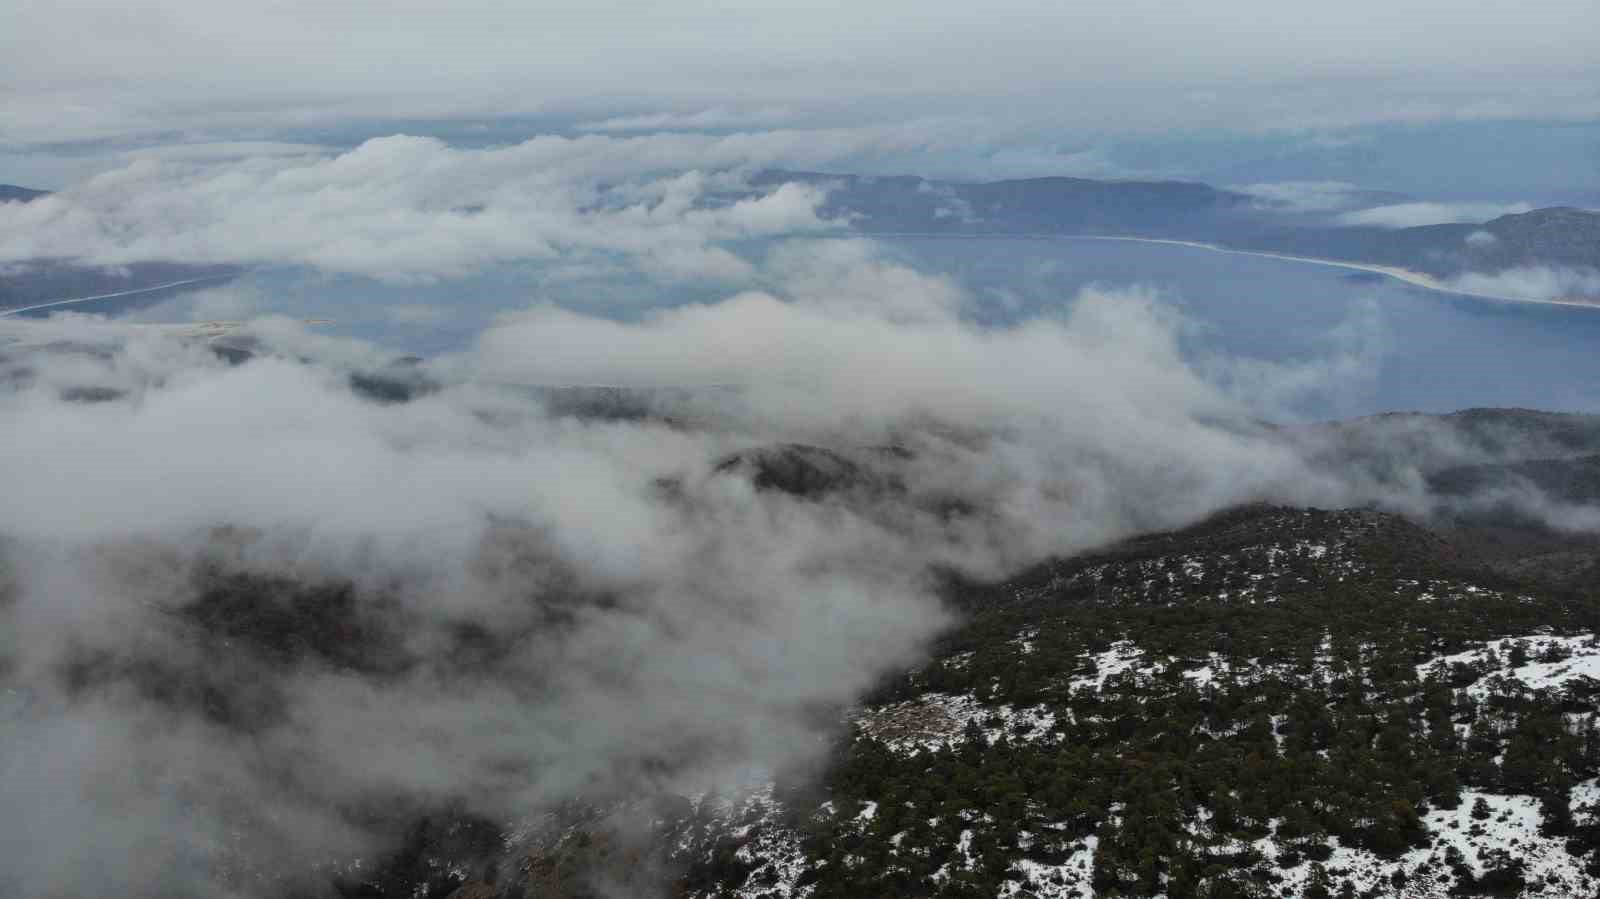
[{"x": 1403, "y": 347}]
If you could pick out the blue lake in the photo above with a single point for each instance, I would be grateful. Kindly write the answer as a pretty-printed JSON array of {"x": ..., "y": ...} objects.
[
  {"x": 1434, "y": 351},
  {"x": 1439, "y": 352}
]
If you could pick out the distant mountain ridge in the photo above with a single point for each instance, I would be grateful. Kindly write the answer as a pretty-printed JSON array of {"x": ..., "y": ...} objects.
[
  {"x": 1031, "y": 205},
  {"x": 12, "y": 193},
  {"x": 1558, "y": 233},
  {"x": 1560, "y": 236}
]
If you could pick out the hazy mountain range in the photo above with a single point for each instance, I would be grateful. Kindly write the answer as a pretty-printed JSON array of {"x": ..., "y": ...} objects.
[
  {"x": 1554, "y": 237},
  {"x": 11, "y": 192},
  {"x": 1562, "y": 236}
]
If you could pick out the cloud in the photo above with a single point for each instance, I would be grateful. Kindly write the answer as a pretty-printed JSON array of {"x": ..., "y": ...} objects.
[
  {"x": 1542, "y": 283},
  {"x": 219, "y": 582},
  {"x": 718, "y": 118},
  {"x": 1046, "y": 161},
  {"x": 227, "y": 150},
  {"x": 1304, "y": 196},
  {"x": 1411, "y": 215},
  {"x": 228, "y": 302},
  {"x": 1337, "y": 380},
  {"x": 633, "y": 636},
  {"x": 407, "y": 208},
  {"x": 1450, "y": 93},
  {"x": 716, "y": 621},
  {"x": 233, "y": 67}
]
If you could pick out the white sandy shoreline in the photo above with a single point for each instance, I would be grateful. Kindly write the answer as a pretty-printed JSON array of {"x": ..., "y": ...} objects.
[
  {"x": 1414, "y": 278},
  {"x": 106, "y": 296}
]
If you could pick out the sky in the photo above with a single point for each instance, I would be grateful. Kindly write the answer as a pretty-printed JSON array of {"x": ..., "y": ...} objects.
[
  {"x": 991, "y": 90},
  {"x": 430, "y": 141}
]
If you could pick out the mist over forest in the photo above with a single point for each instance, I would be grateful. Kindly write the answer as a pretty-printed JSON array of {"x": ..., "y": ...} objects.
[{"x": 477, "y": 451}]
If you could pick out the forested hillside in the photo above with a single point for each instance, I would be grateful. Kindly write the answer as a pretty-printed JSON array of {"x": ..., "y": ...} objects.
[{"x": 1275, "y": 703}]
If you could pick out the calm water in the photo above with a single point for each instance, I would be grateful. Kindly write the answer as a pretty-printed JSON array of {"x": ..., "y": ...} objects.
[
  {"x": 1434, "y": 351},
  {"x": 1438, "y": 352}
]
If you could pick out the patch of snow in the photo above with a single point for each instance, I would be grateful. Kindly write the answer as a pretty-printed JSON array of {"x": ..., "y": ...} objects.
[
  {"x": 772, "y": 847},
  {"x": 934, "y": 719},
  {"x": 1122, "y": 657},
  {"x": 963, "y": 861},
  {"x": 1024, "y": 640},
  {"x": 1510, "y": 834},
  {"x": 1569, "y": 658},
  {"x": 1068, "y": 880}
]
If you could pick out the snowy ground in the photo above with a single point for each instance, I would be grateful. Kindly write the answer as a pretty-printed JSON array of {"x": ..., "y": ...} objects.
[
  {"x": 932, "y": 720},
  {"x": 1071, "y": 878},
  {"x": 755, "y": 818},
  {"x": 1250, "y": 575},
  {"x": 1510, "y": 833},
  {"x": 1551, "y": 663},
  {"x": 1157, "y": 579}
]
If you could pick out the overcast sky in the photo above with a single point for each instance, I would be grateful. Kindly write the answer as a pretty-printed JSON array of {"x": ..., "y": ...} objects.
[
  {"x": 248, "y": 132},
  {"x": 74, "y": 70}
]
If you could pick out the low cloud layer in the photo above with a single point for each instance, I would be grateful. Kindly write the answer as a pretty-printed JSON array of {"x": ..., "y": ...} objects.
[
  {"x": 1541, "y": 283},
  {"x": 1412, "y": 215},
  {"x": 255, "y": 609},
  {"x": 406, "y": 207},
  {"x": 205, "y": 68},
  {"x": 1304, "y": 196},
  {"x": 713, "y": 119}
]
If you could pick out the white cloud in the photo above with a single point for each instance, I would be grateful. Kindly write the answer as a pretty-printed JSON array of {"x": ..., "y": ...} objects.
[
  {"x": 227, "y": 150},
  {"x": 1304, "y": 196},
  {"x": 234, "y": 67},
  {"x": 643, "y": 635},
  {"x": 715, "y": 118},
  {"x": 1541, "y": 283},
  {"x": 407, "y": 207},
  {"x": 651, "y": 624},
  {"x": 1034, "y": 162},
  {"x": 1411, "y": 215}
]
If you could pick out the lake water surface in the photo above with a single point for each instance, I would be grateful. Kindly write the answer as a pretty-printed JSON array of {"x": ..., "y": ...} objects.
[
  {"x": 1433, "y": 351},
  {"x": 1413, "y": 348}
]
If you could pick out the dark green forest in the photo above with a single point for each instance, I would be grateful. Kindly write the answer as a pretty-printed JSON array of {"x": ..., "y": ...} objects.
[{"x": 1276, "y": 696}]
